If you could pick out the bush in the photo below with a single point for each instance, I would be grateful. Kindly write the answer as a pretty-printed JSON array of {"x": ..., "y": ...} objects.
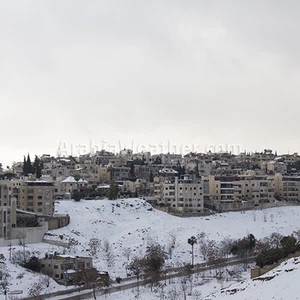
[
  {"x": 269, "y": 256},
  {"x": 33, "y": 264}
]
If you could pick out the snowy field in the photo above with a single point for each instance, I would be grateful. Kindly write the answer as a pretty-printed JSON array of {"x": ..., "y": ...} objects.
[{"x": 124, "y": 228}]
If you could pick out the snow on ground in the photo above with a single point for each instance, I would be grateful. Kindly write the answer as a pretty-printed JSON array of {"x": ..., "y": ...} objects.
[
  {"x": 133, "y": 223},
  {"x": 281, "y": 283}
]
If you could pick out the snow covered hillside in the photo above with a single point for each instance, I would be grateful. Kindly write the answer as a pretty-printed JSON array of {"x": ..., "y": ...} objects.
[
  {"x": 133, "y": 223},
  {"x": 281, "y": 283},
  {"x": 124, "y": 228}
]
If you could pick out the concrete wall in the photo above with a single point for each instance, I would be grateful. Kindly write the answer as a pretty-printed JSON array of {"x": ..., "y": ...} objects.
[
  {"x": 225, "y": 207},
  {"x": 56, "y": 242},
  {"x": 30, "y": 235},
  {"x": 56, "y": 222}
]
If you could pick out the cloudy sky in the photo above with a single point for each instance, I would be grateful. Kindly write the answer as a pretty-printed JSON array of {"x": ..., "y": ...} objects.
[{"x": 148, "y": 73}]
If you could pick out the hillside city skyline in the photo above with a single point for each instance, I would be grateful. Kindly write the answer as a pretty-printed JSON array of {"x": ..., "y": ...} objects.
[{"x": 65, "y": 149}]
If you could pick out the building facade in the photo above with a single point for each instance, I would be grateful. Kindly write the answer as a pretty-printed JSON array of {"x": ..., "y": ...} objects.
[
  {"x": 7, "y": 210},
  {"x": 37, "y": 196}
]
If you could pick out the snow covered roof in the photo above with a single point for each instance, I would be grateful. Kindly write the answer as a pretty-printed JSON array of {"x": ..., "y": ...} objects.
[
  {"x": 70, "y": 271},
  {"x": 71, "y": 179},
  {"x": 166, "y": 170},
  {"x": 64, "y": 159},
  {"x": 66, "y": 256},
  {"x": 106, "y": 186}
]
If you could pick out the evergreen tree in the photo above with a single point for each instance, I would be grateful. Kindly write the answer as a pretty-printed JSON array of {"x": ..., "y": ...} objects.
[
  {"x": 25, "y": 170},
  {"x": 196, "y": 170},
  {"x": 132, "y": 176},
  {"x": 151, "y": 177},
  {"x": 77, "y": 177},
  {"x": 113, "y": 191},
  {"x": 37, "y": 167},
  {"x": 29, "y": 165}
]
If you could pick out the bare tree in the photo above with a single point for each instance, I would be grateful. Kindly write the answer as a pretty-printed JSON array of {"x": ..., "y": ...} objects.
[
  {"x": 36, "y": 290},
  {"x": 197, "y": 295},
  {"x": 174, "y": 294},
  {"x": 274, "y": 239},
  {"x": 235, "y": 273},
  {"x": 162, "y": 291},
  {"x": 183, "y": 288},
  {"x": 105, "y": 245},
  {"x": 188, "y": 276},
  {"x": 91, "y": 279},
  {"x": 4, "y": 274},
  {"x": 225, "y": 246},
  {"x": 204, "y": 248},
  {"x": 72, "y": 244},
  {"x": 127, "y": 252},
  {"x": 45, "y": 281},
  {"x": 110, "y": 259},
  {"x": 216, "y": 258},
  {"x": 171, "y": 244},
  {"x": 136, "y": 267},
  {"x": 94, "y": 245},
  {"x": 296, "y": 234},
  {"x": 21, "y": 257},
  {"x": 265, "y": 215}
]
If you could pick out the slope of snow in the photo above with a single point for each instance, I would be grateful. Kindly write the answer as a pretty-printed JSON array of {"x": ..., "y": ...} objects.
[
  {"x": 281, "y": 283},
  {"x": 133, "y": 223}
]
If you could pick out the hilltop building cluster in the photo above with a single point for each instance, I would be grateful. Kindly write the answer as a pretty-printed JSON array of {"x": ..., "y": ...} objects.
[{"x": 187, "y": 183}]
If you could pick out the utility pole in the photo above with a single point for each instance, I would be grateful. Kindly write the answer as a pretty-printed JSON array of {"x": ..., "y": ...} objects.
[
  {"x": 24, "y": 250},
  {"x": 10, "y": 251}
]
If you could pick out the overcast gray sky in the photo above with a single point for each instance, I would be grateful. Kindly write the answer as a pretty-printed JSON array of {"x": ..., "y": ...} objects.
[{"x": 189, "y": 72}]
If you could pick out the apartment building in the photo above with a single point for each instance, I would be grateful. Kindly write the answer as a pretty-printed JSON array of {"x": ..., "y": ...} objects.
[
  {"x": 259, "y": 189},
  {"x": 37, "y": 196},
  {"x": 189, "y": 194},
  {"x": 113, "y": 173},
  {"x": 69, "y": 184},
  {"x": 237, "y": 192},
  {"x": 63, "y": 268},
  {"x": 182, "y": 195},
  {"x": 287, "y": 187},
  {"x": 103, "y": 157},
  {"x": 171, "y": 159},
  {"x": 8, "y": 204}
]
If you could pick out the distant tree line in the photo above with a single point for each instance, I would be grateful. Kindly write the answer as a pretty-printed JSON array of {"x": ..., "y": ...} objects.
[{"x": 32, "y": 168}]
